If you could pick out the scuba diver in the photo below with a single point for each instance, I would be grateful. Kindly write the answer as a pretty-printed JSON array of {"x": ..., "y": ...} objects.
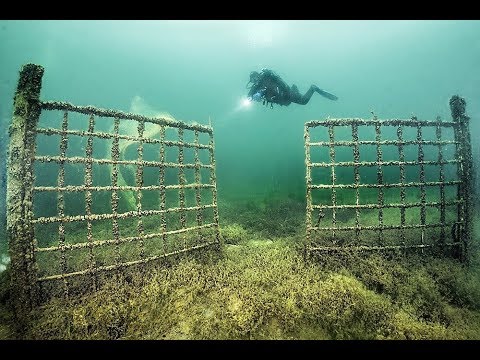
[{"x": 268, "y": 87}]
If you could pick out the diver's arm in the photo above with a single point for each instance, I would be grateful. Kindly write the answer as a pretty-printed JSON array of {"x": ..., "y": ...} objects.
[
  {"x": 252, "y": 91},
  {"x": 255, "y": 88}
]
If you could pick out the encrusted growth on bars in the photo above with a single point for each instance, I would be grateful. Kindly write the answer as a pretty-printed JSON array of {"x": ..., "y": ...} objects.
[
  {"x": 115, "y": 198},
  {"x": 92, "y": 110},
  {"x": 331, "y": 135},
  {"x": 378, "y": 138},
  {"x": 386, "y": 163},
  {"x": 423, "y": 194},
  {"x": 163, "y": 194},
  {"x": 363, "y": 122},
  {"x": 213, "y": 181},
  {"x": 392, "y": 185},
  {"x": 122, "y": 265},
  {"x": 107, "y": 136},
  {"x": 61, "y": 203},
  {"x": 308, "y": 178},
  {"x": 181, "y": 191},
  {"x": 139, "y": 183},
  {"x": 88, "y": 197},
  {"x": 81, "y": 160},
  {"x": 441, "y": 180},
  {"x": 198, "y": 180},
  {"x": 123, "y": 215},
  {"x": 356, "y": 160},
  {"x": 403, "y": 194},
  {"x": 72, "y": 188}
]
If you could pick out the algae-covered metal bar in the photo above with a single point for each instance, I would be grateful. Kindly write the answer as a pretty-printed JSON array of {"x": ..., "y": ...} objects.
[
  {"x": 163, "y": 199},
  {"x": 385, "y": 163},
  {"x": 213, "y": 181},
  {"x": 198, "y": 181},
  {"x": 417, "y": 197},
  {"x": 380, "y": 198},
  {"x": 88, "y": 200},
  {"x": 331, "y": 135},
  {"x": 181, "y": 192},
  {"x": 115, "y": 188},
  {"x": 356, "y": 159},
  {"x": 80, "y": 160},
  {"x": 103, "y": 135},
  {"x": 61, "y": 203},
  {"x": 308, "y": 178},
  {"x": 442, "y": 182},
  {"x": 114, "y": 234},
  {"x": 402, "y": 185},
  {"x": 373, "y": 122},
  {"x": 421, "y": 157},
  {"x": 123, "y": 215},
  {"x": 92, "y": 110},
  {"x": 139, "y": 183},
  {"x": 20, "y": 231},
  {"x": 465, "y": 172}
]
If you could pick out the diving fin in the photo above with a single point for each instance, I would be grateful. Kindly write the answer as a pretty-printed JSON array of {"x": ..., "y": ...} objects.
[{"x": 326, "y": 94}]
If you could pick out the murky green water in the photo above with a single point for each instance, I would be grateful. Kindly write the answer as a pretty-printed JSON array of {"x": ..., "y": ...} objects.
[{"x": 197, "y": 71}]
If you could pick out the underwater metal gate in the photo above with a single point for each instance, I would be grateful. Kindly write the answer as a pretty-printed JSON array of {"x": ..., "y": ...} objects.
[
  {"x": 434, "y": 185},
  {"x": 61, "y": 265}
]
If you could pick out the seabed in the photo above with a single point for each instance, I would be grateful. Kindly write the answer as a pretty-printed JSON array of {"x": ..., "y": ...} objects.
[{"x": 261, "y": 287}]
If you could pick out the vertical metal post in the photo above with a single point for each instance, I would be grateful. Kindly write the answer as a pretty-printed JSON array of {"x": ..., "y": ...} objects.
[
  {"x": 182, "y": 181},
  {"x": 465, "y": 171},
  {"x": 331, "y": 135},
  {"x": 356, "y": 170},
  {"x": 403, "y": 195},
  {"x": 88, "y": 199},
  {"x": 115, "y": 198},
  {"x": 213, "y": 182},
  {"x": 61, "y": 203},
  {"x": 308, "y": 177},
  {"x": 163, "y": 193},
  {"x": 198, "y": 181},
  {"x": 20, "y": 230},
  {"x": 139, "y": 185},
  {"x": 423, "y": 194},
  {"x": 380, "y": 199},
  {"x": 438, "y": 132}
]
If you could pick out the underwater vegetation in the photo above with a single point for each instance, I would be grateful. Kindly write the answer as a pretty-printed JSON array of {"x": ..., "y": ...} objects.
[{"x": 261, "y": 287}]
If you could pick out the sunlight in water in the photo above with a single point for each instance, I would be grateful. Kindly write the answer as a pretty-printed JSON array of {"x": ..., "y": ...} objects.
[{"x": 262, "y": 34}]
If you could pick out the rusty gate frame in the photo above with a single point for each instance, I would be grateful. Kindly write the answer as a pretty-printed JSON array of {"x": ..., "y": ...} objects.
[
  {"x": 23, "y": 246},
  {"x": 461, "y": 228}
]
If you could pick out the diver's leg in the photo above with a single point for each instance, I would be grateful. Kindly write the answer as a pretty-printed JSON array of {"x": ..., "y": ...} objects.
[
  {"x": 298, "y": 98},
  {"x": 302, "y": 100}
]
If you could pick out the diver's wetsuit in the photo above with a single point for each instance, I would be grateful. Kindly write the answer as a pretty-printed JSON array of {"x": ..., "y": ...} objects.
[
  {"x": 275, "y": 90},
  {"x": 270, "y": 88}
]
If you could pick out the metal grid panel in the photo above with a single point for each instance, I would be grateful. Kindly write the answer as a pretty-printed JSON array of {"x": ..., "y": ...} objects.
[
  {"x": 88, "y": 188},
  {"x": 328, "y": 232},
  {"x": 50, "y": 253}
]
